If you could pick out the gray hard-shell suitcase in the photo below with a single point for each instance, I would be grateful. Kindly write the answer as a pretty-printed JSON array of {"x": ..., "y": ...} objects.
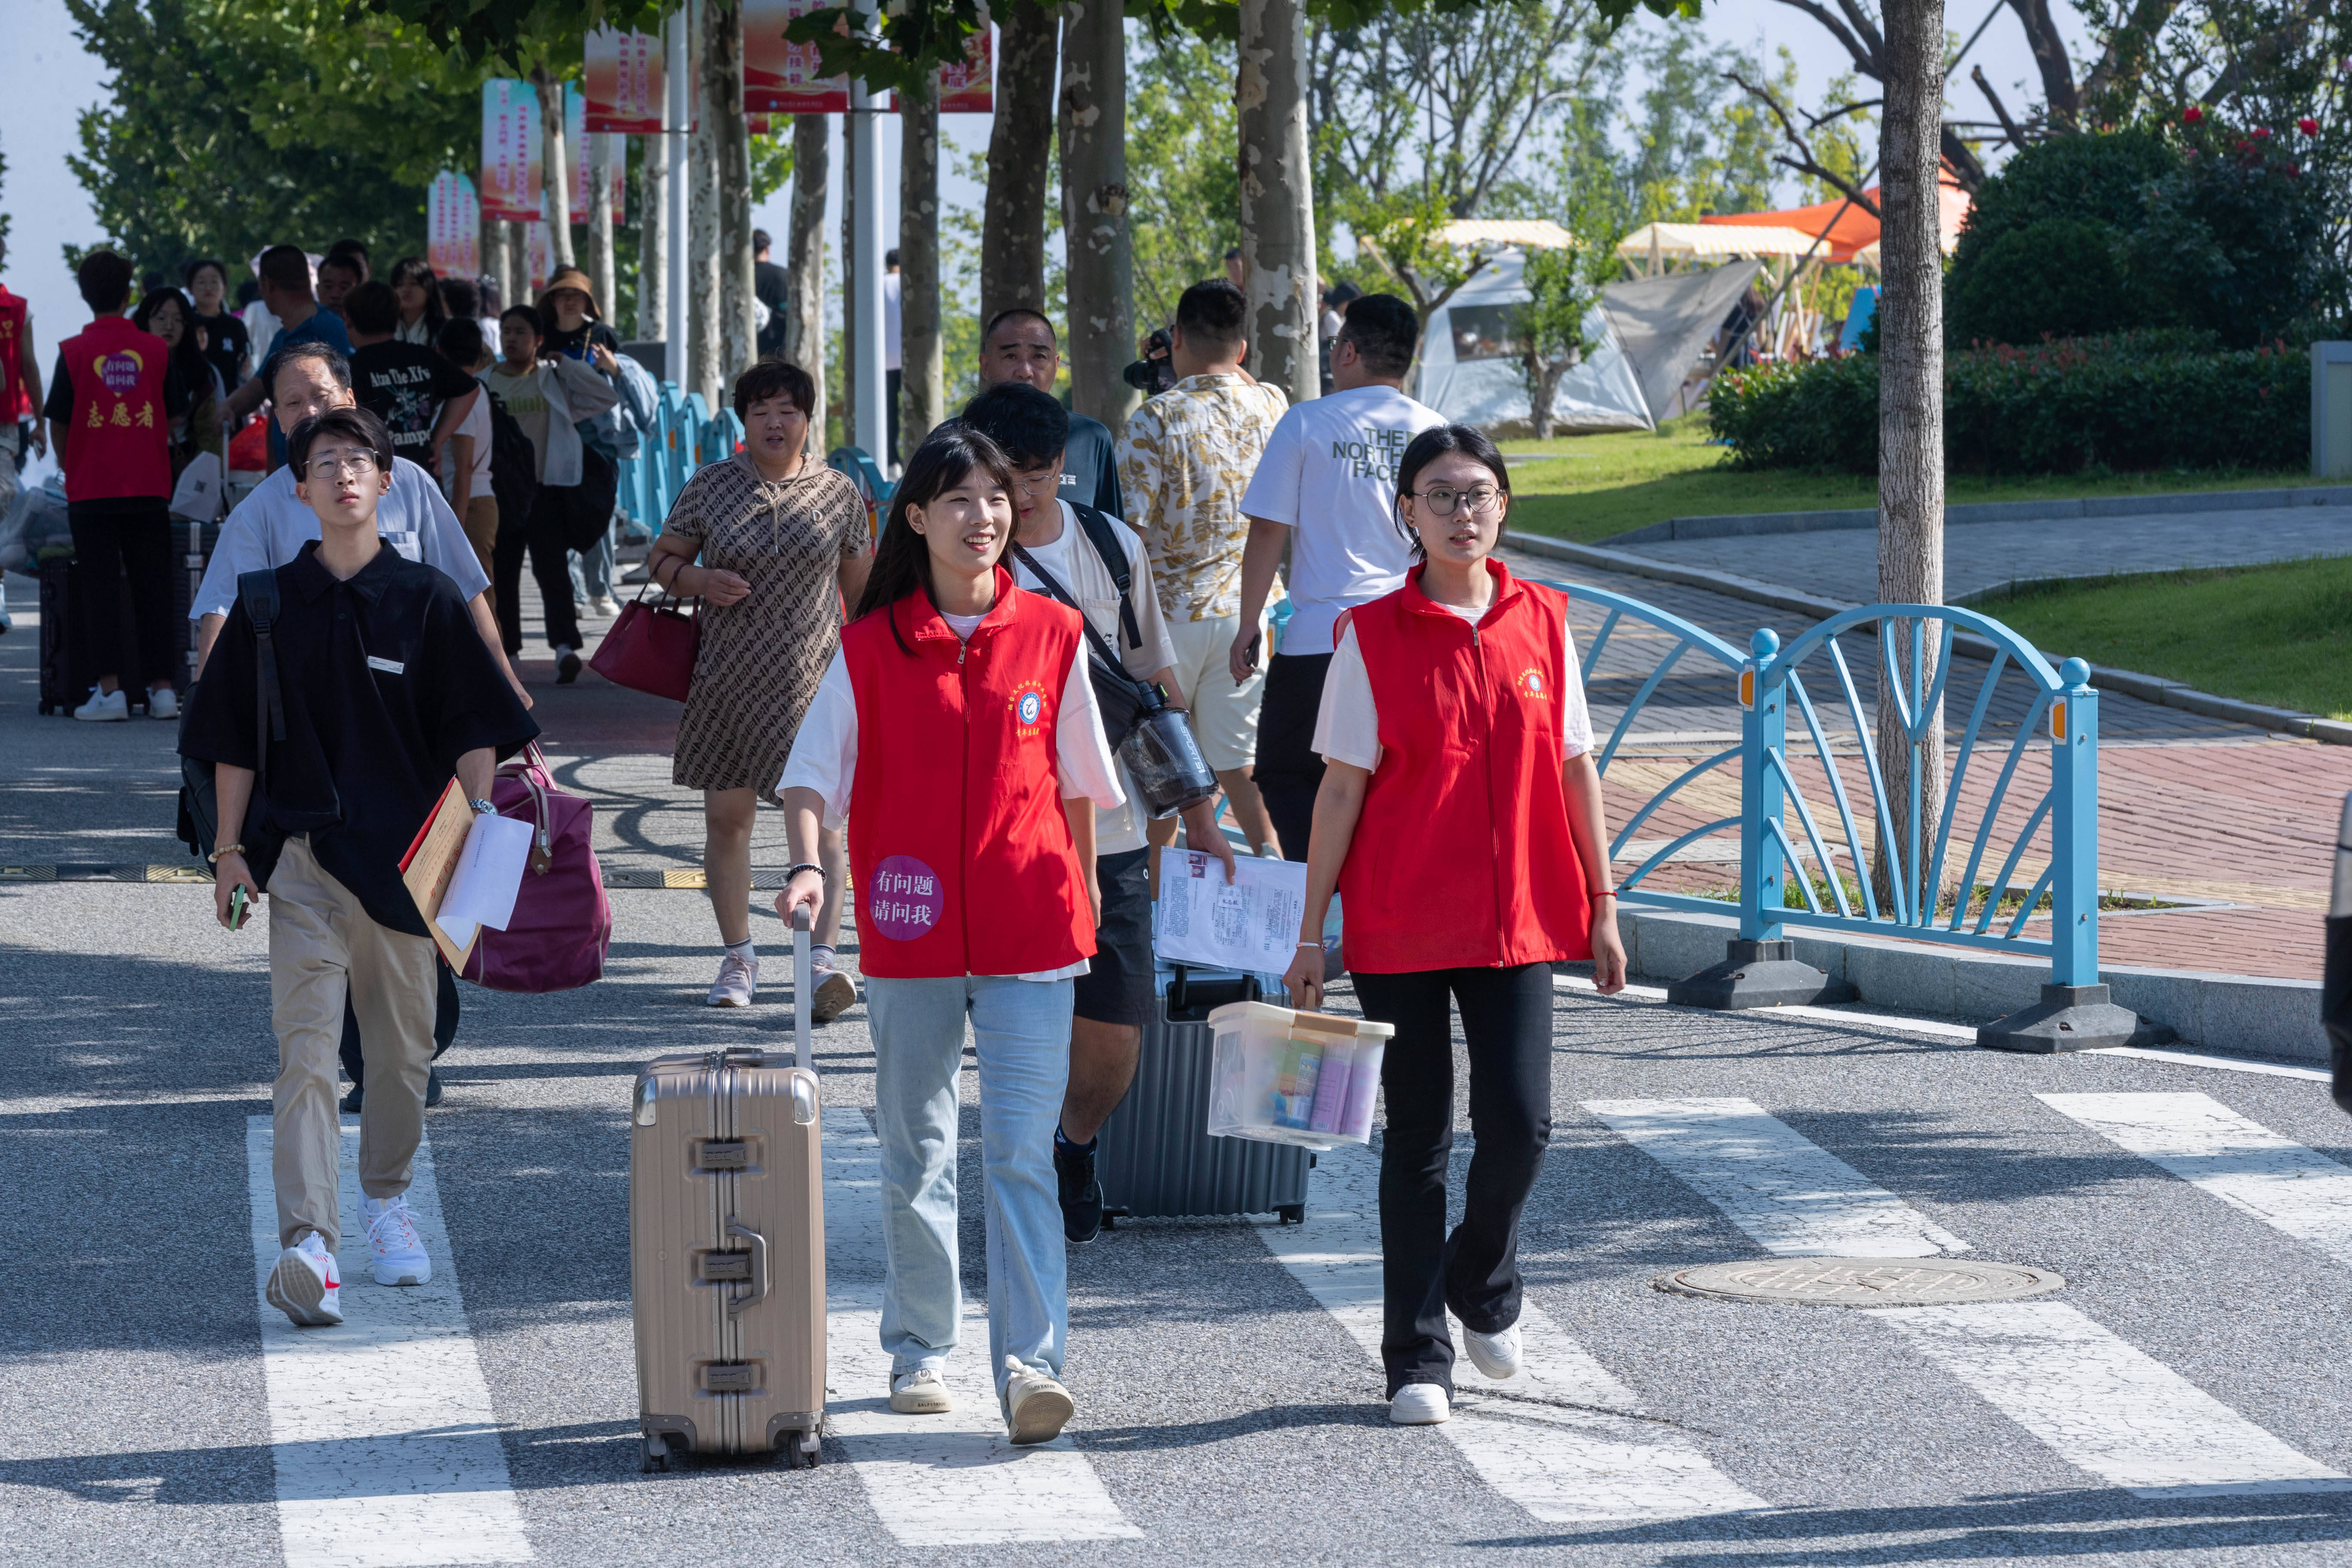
[
  {"x": 1155, "y": 1157},
  {"x": 726, "y": 1249}
]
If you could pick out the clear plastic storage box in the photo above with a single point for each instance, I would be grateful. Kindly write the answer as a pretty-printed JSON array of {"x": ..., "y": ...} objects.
[{"x": 1286, "y": 1076}]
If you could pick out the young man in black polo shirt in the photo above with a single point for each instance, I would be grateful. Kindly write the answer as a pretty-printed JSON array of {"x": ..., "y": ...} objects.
[{"x": 385, "y": 692}]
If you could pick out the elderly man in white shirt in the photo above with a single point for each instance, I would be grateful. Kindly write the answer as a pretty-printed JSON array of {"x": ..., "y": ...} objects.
[{"x": 270, "y": 526}]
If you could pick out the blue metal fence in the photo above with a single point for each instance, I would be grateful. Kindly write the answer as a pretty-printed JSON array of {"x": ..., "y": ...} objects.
[{"x": 687, "y": 435}]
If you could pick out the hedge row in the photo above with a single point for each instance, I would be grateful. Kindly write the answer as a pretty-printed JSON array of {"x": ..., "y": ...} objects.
[{"x": 2133, "y": 402}]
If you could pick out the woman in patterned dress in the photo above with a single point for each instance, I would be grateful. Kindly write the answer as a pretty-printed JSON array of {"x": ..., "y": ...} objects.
[{"x": 773, "y": 540}]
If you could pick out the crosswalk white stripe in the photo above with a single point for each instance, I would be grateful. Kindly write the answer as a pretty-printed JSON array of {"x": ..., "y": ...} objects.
[
  {"x": 2290, "y": 1188},
  {"x": 1793, "y": 1196},
  {"x": 1564, "y": 1439},
  {"x": 936, "y": 1481},
  {"x": 2101, "y": 1404},
  {"x": 382, "y": 1429}
]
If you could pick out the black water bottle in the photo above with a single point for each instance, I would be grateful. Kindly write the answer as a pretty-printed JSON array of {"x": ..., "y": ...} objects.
[{"x": 2335, "y": 994}]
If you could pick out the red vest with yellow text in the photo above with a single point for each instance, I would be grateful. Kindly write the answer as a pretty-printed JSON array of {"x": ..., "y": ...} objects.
[
  {"x": 1461, "y": 858},
  {"x": 15, "y": 397},
  {"x": 961, "y": 855},
  {"x": 116, "y": 443}
]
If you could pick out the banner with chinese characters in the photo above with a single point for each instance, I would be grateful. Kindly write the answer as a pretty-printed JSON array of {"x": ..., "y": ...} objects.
[
  {"x": 967, "y": 86},
  {"x": 453, "y": 227},
  {"x": 536, "y": 248},
  {"x": 624, "y": 82},
  {"x": 510, "y": 150},
  {"x": 781, "y": 77},
  {"x": 575, "y": 150}
]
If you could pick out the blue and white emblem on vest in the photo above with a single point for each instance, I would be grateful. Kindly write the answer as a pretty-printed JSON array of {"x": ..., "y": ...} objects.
[{"x": 1031, "y": 704}]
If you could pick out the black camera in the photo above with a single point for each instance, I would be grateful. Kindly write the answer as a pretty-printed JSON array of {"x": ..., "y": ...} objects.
[{"x": 1153, "y": 373}]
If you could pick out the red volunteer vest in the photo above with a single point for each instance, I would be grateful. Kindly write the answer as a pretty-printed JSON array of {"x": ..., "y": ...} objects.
[
  {"x": 961, "y": 855},
  {"x": 16, "y": 401},
  {"x": 1463, "y": 856},
  {"x": 115, "y": 444}
]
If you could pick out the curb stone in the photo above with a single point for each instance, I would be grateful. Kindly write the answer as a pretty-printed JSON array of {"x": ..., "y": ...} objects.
[{"x": 1746, "y": 524}]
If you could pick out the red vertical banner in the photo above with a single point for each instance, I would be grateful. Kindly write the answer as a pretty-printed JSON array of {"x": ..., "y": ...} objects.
[
  {"x": 967, "y": 86},
  {"x": 624, "y": 82},
  {"x": 453, "y": 227},
  {"x": 510, "y": 150},
  {"x": 781, "y": 77}
]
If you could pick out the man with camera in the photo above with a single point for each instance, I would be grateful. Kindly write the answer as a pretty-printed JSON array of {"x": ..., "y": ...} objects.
[{"x": 1184, "y": 459}]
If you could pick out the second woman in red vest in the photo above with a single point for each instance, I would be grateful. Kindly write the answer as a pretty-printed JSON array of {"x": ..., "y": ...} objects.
[
  {"x": 1460, "y": 820},
  {"x": 957, "y": 726}
]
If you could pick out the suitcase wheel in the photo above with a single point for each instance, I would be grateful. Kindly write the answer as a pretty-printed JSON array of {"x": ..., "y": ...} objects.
[
  {"x": 803, "y": 1451},
  {"x": 1291, "y": 1214},
  {"x": 655, "y": 1456}
]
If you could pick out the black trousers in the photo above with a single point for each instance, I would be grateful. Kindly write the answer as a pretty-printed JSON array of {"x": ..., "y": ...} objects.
[
  {"x": 1474, "y": 1272},
  {"x": 540, "y": 535},
  {"x": 444, "y": 1024},
  {"x": 107, "y": 544},
  {"x": 1288, "y": 771}
]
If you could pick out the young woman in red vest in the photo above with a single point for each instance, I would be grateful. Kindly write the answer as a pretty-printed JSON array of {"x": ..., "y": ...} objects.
[
  {"x": 1460, "y": 820},
  {"x": 957, "y": 727}
]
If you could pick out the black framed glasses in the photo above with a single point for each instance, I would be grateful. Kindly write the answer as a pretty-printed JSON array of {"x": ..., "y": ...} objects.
[{"x": 1442, "y": 499}]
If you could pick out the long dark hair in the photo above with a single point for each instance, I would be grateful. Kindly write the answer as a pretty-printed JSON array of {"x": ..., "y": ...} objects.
[
  {"x": 195, "y": 371},
  {"x": 416, "y": 269},
  {"x": 902, "y": 561},
  {"x": 1435, "y": 443}
]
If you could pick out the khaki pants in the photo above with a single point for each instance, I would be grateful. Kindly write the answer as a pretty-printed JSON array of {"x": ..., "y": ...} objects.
[
  {"x": 481, "y": 522},
  {"x": 322, "y": 944}
]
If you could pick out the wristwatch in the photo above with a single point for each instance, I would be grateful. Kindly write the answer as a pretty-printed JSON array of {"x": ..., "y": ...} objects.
[{"x": 484, "y": 808}]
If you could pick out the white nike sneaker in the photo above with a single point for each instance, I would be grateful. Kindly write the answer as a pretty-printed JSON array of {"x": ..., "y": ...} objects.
[
  {"x": 921, "y": 1393},
  {"x": 104, "y": 707},
  {"x": 737, "y": 981},
  {"x": 1419, "y": 1405},
  {"x": 399, "y": 1253},
  {"x": 1036, "y": 1407},
  {"x": 305, "y": 1286},
  {"x": 163, "y": 704},
  {"x": 1496, "y": 1354}
]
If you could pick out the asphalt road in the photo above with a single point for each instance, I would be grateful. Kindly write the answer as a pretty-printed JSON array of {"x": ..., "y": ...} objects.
[{"x": 2181, "y": 1399}]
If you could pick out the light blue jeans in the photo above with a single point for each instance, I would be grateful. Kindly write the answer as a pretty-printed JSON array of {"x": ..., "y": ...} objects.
[
  {"x": 592, "y": 569},
  {"x": 1022, "y": 1028}
]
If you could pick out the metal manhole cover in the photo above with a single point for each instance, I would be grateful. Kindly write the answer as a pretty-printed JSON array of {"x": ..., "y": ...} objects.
[{"x": 1861, "y": 1282}]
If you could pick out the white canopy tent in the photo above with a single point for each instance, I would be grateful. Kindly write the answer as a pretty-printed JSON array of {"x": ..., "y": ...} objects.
[
  {"x": 1470, "y": 364},
  {"x": 1655, "y": 244}
]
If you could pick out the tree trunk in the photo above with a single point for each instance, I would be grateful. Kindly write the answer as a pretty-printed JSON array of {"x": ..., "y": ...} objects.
[
  {"x": 1910, "y": 408},
  {"x": 1278, "y": 198},
  {"x": 705, "y": 326},
  {"x": 601, "y": 147},
  {"x": 1094, "y": 209},
  {"x": 1020, "y": 148},
  {"x": 557, "y": 171},
  {"x": 494, "y": 265},
  {"x": 849, "y": 258},
  {"x": 515, "y": 288},
  {"x": 922, "y": 348},
  {"x": 805, "y": 257},
  {"x": 722, "y": 73},
  {"x": 653, "y": 245}
]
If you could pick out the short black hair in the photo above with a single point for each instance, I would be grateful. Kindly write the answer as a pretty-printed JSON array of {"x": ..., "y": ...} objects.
[
  {"x": 1015, "y": 313},
  {"x": 312, "y": 348},
  {"x": 890, "y": 256},
  {"x": 345, "y": 261},
  {"x": 373, "y": 307},
  {"x": 1384, "y": 332},
  {"x": 286, "y": 266},
  {"x": 188, "y": 270},
  {"x": 460, "y": 342},
  {"x": 460, "y": 297},
  {"x": 759, "y": 241},
  {"x": 1213, "y": 314},
  {"x": 774, "y": 378},
  {"x": 1343, "y": 294},
  {"x": 104, "y": 278},
  {"x": 530, "y": 318},
  {"x": 1029, "y": 426},
  {"x": 355, "y": 250},
  {"x": 1233, "y": 253},
  {"x": 354, "y": 423}
]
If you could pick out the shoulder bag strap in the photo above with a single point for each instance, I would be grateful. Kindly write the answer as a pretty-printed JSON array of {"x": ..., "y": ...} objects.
[
  {"x": 258, "y": 590},
  {"x": 1105, "y": 538},
  {"x": 1105, "y": 655}
]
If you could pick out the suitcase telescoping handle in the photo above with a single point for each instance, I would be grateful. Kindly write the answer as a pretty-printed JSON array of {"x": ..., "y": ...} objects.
[
  {"x": 803, "y": 993},
  {"x": 736, "y": 1308}
]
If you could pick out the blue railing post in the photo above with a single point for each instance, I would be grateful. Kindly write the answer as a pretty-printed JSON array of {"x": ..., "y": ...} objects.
[
  {"x": 2074, "y": 829},
  {"x": 1764, "y": 731}
]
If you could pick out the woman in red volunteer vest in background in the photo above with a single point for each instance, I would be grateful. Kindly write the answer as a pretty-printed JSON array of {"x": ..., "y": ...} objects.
[
  {"x": 1460, "y": 820},
  {"x": 957, "y": 728}
]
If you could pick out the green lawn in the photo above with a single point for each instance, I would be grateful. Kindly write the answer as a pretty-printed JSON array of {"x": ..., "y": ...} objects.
[
  {"x": 2279, "y": 634},
  {"x": 1587, "y": 487}
]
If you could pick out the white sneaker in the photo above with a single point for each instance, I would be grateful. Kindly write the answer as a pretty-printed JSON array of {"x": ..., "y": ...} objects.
[
  {"x": 305, "y": 1286},
  {"x": 1419, "y": 1405},
  {"x": 1496, "y": 1354},
  {"x": 104, "y": 706},
  {"x": 603, "y": 605},
  {"x": 1036, "y": 1407},
  {"x": 921, "y": 1393},
  {"x": 737, "y": 981},
  {"x": 835, "y": 994},
  {"x": 163, "y": 704},
  {"x": 567, "y": 664},
  {"x": 399, "y": 1253}
]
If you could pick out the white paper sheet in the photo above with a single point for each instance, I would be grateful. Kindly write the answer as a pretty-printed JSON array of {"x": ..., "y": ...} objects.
[
  {"x": 489, "y": 874},
  {"x": 1251, "y": 924}
]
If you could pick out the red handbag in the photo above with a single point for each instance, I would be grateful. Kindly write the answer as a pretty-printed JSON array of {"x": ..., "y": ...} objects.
[
  {"x": 651, "y": 648},
  {"x": 562, "y": 922}
]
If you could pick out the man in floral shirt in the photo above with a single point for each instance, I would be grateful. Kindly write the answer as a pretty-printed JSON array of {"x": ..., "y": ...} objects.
[{"x": 1183, "y": 462}]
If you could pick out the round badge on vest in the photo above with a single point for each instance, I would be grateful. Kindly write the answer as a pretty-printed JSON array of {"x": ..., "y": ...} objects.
[{"x": 906, "y": 899}]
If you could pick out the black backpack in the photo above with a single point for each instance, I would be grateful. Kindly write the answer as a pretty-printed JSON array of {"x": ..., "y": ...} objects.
[{"x": 514, "y": 463}]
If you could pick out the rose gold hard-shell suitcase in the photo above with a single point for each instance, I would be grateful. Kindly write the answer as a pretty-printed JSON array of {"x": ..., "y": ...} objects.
[{"x": 727, "y": 1249}]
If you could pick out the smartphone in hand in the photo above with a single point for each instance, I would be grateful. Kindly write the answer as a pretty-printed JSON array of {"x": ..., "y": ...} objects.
[{"x": 237, "y": 909}]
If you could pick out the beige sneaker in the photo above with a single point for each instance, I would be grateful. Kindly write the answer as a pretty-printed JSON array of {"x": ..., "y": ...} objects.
[
  {"x": 737, "y": 981},
  {"x": 1036, "y": 1407},
  {"x": 921, "y": 1393},
  {"x": 835, "y": 994}
]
